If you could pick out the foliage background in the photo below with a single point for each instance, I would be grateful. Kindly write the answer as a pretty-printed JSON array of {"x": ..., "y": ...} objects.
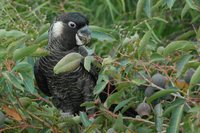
[{"x": 135, "y": 39}]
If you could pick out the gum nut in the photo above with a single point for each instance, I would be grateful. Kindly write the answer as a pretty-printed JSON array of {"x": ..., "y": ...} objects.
[
  {"x": 159, "y": 80},
  {"x": 143, "y": 109},
  {"x": 149, "y": 91},
  {"x": 188, "y": 75}
]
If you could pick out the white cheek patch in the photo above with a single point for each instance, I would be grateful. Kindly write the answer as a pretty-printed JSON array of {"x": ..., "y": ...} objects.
[
  {"x": 57, "y": 29},
  {"x": 78, "y": 40}
]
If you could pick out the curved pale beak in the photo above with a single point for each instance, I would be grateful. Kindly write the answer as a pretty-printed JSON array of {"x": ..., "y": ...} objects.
[{"x": 83, "y": 36}]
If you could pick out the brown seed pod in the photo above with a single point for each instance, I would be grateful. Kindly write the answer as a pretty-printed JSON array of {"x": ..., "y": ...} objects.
[
  {"x": 149, "y": 91},
  {"x": 188, "y": 75},
  {"x": 143, "y": 109},
  {"x": 159, "y": 80}
]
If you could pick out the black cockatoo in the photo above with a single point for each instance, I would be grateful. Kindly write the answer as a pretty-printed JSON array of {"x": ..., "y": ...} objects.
[{"x": 68, "y": 33}]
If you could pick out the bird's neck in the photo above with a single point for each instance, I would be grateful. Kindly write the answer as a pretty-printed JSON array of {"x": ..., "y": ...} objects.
[{"x": 60, "y": 44}]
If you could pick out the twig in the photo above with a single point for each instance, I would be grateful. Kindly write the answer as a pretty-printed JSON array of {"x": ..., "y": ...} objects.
[
  {"x": 21, "y": 126},
  {"x": 131, "y": 118},
  {"x": 39, "y": 119}
]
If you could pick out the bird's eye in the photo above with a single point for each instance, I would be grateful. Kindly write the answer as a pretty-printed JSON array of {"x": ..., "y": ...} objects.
[{"x": 72, "y": 24}]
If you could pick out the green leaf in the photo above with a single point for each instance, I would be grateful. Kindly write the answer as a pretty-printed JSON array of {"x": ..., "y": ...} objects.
[
  {"x": 181, "y": 64},
  {"x": 84, "y": 119},
  {"x": 138, "y": 81},
  {"x": 115, "y": 98},
  {"x": 87, "y": 62},
  {"x": 143, "y": 43},
  {"x": 15, "y": 34},
  {"x": 118, "y": 125},
  {"x": 42, "y": 37},
  {"x": 101, "y": 84},
  {"x": 195, "y": 78},
  {"x": 178, "y": 45},
  {"x": 191, "y": 4},
  {"x": 191, "y": 64},
  {"x": 13, "y": 80},
  {"x": 159, "y": 118},
  {"x": 44, "y": 28},
  {"x": 29, "y": 82},
  {"x": 160, "y": 19},
  {"x": 102, "y": 36},
  {"x": 184, "y": 10},
  {"x": 107, "y": 61},
  {"x": 2, "y": 33},
  {"x": 194, "y": 110},
  {"x": 186, "y": 35},
  {"x": 122, "y": 104},
  {"x": 170, "y": 3},
  {"x": 156, "y": 57},
  {"x": 139, "y": 8},
  {"x": 100, "y": 29},
  {"x": 148, "y": 8},
  {"x": 173, "y": 106},
  {"x": 175, "y": 120},
  {"x": 40, "y": 52},
  {"x": 161, "y": 93},
  {"x": 23, "y": 52},
  {"x": 22, "y": 67},
  {"x": 88, "y": 104}
]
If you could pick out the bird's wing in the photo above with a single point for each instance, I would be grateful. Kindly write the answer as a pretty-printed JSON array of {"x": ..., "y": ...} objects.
[{"x": 41, "y": 79}]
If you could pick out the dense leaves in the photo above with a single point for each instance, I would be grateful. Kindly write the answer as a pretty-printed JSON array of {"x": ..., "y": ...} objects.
[{"x": 149, "y": 52}]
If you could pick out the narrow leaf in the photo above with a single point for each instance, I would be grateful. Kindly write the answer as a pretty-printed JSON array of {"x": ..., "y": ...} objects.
[
  {"x": 175, "y": 120},
  {"x": 115, "y": 98},
  {"x": 23, "y": 52},
  {"x": 160, "y": 93},
  {"x": 15, "y": 34},
  {"x": 195, "y": 78},
  {"x": 118, "y": 125},
  {"x": 148, "y": 8},
  {"x": 178, "y": 45},
  {"x": 139, "y": 8},
  {"x": 101, "y": 84},
  {"x": 22, "y": 67},
  {"x": 143, "y": 43},
  {"x": 159, "y": 118},
  {"x": 13, "y": 80},
  {"x": 42, "y": 37},
  {"x": 170, "y": 3},
  {"x": 184, "y": 10},
  {"x": 181, "y": 64},
  {"x": 191, "y": 4},
  {"x": 173, "y": 106},
  {"x": 84, "y": 119},
  {"x": 122, "y": 104}
]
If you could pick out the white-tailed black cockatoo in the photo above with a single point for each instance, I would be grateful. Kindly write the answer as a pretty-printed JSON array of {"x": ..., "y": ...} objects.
[{"x": 68, "y": 33}]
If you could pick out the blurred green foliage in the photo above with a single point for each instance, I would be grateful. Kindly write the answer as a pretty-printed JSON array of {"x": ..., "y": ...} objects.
[{"x": 135, "y": 39}]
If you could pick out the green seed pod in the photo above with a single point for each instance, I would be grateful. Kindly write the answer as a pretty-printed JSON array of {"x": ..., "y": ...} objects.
[
  {"x": 68, "y": 63},
  {"x": 159, "y": 80}
]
